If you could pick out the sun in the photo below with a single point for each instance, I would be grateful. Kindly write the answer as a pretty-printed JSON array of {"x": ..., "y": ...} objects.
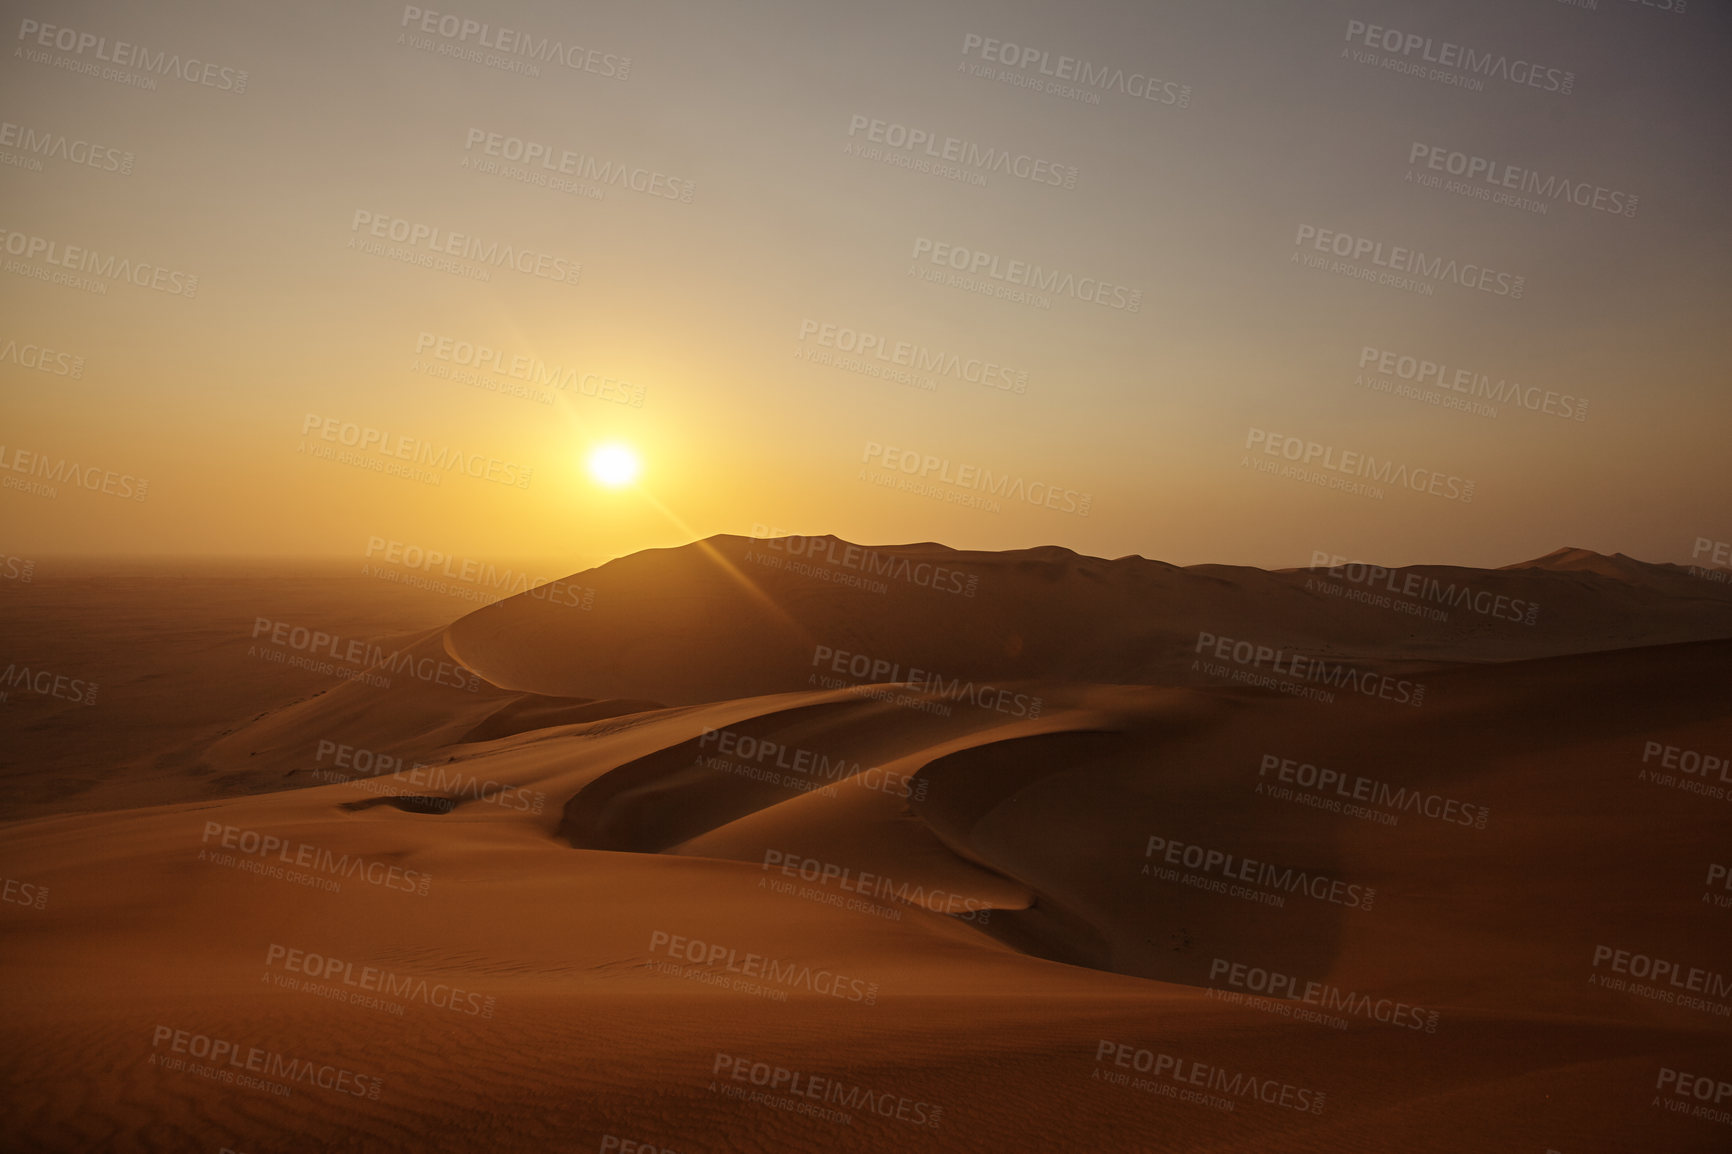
[{"x": 614, "y": 465}]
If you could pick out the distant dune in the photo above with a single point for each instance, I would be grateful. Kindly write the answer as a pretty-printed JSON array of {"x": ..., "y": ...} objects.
[{"x": 1046, "y": 613}]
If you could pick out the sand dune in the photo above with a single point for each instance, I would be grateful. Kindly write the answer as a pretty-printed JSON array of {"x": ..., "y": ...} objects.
[
  {"x": 644, "y": 851},
  {"x": 1037, "y": 613}
]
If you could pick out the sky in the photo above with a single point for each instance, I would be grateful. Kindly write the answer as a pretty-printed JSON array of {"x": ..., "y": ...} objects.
[{"x": 1211, "y": 281}]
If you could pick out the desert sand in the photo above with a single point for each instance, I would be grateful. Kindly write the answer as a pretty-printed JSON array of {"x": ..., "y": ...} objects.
[{"x": 796, "y": 845}]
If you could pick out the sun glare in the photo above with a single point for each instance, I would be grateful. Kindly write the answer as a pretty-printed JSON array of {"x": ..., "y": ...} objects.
[{"x": 614, "y": 465}]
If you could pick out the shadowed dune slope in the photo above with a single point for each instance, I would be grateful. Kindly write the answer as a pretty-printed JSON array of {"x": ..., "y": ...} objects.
[{"x": 736, "y": 617}]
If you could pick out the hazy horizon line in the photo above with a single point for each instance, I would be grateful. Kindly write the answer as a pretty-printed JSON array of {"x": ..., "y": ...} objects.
[{"x": 546, "y": 561}]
